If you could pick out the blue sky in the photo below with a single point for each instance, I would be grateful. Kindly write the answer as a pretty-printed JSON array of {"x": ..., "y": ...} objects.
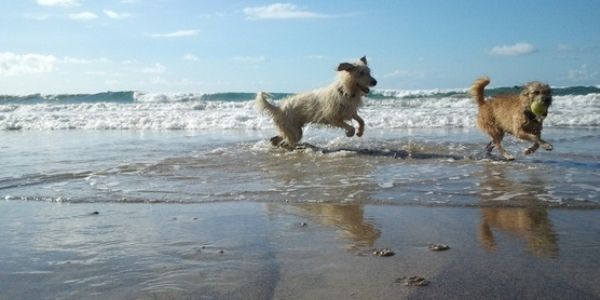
[{"x": 85, "y": 46}]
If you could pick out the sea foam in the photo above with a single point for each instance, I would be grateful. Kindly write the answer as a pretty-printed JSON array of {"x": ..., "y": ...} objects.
[{"x": 189, "y": 111}]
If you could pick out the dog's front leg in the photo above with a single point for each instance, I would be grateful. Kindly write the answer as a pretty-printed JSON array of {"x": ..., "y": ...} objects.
[
  {"x": 536, "y": 140},
  {"x": 361, "y": 124},
  {"x": 341, "y": 124},
  {"x": 531, "y": 149}
]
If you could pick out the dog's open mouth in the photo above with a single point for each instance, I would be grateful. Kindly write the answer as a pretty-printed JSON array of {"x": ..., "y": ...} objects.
[{"x": 364, "y": 89}]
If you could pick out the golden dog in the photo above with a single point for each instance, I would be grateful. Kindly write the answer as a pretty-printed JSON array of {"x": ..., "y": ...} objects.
[{"x": 512, "y": 114}]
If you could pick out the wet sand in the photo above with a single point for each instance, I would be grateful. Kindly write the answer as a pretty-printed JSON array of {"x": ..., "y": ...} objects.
[
  {"x": 223, "y": 215},
  {"x": 254, "y": 250}
]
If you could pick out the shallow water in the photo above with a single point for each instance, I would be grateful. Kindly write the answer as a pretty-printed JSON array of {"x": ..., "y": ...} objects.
[
  {"x": 408, "y": 167},
  {"x": 234, "y": 218}
]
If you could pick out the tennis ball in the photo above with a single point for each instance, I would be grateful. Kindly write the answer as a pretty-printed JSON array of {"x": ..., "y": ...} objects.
[{"x": 539, "y": 109}]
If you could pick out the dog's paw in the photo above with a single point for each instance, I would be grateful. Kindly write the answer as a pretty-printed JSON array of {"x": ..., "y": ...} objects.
[
  {"x": 287, "y": 146},
  {"x": 276, "y": 140},
  {"x": 360, "y": 131},
  {"x": 350, "y": 131},
  {"x": 508, "y": 157},
  {"x": 547, "y": 147},
  {"x": 528, "y": 151}
]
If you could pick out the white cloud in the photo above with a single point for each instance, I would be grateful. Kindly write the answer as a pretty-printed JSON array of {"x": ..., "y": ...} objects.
[
  {"x": 190, "y": 57},
  {"x": 156, "y": 69},
  {"x": 63, "y": 3},
  {"x": 83, "y": 61},
  {"x": 582, "y": 74},
  {"x": 103, "y": 73},
  {"x": 115, "y": 15},
  {"x": 279, "y": 11},
  {"x": 83, "y": 16},
  {"x": 75, "y": 60},
  {"x": 15, "y": 64},
  {"x": 249, "y": 59},
  {"x": 513, "y": 50},
  {"x": 178, "y": 33}
]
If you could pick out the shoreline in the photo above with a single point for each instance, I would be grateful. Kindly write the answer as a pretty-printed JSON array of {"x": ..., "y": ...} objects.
[
  {"x": 260, "y": 223},
  {"x": 255, "y": 250},
  {"x": 439, "y": 167}
]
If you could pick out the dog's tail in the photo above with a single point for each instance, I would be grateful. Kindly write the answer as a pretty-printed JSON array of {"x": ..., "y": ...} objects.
[
  {"x": 477, "y": 90},
  {"x": 262, "y": 104}
]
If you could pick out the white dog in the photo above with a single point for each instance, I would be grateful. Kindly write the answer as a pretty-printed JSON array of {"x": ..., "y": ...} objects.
[{"x": 331, "y": 105}]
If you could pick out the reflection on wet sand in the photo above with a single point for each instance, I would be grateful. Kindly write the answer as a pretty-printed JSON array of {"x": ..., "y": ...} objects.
[
  {"x": 528, "y": 220},
  {"x": 347, "y": 219},
  {"x": 329, "y": 178}
]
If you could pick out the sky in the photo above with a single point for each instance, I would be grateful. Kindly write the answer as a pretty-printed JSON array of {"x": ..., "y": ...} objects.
[{"x": 90, "y": 46}]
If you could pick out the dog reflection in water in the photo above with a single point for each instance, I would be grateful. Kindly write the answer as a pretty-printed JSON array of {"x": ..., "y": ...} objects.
[
  {"x": 529, "y": 222},
  {"x": 347, "y": 219}
]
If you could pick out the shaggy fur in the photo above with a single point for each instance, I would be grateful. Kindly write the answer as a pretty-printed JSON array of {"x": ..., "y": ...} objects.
[
  {"x": 332, "y": 105},
  {"x": 512, "y": 114}
]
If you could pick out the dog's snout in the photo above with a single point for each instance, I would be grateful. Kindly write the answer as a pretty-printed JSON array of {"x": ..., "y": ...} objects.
[
  {"x": 373, "y": 82},
  {"x": 547, "y": 100}
]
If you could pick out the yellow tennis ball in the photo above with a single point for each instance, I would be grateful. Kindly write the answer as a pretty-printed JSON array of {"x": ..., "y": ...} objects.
[{"x": 539, "y": 109}]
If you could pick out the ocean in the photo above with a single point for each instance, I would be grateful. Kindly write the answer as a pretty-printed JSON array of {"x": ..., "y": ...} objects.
[
  {"x": 384, "y": 109},
  {"x": 133, "y": 195},
  {"x": 420, "y": 147}
]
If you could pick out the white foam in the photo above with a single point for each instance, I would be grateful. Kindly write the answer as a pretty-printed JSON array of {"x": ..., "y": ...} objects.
[
  {"x": 160, "y": 113},
  {"x": 416, "y": 93},
  {"x": 166, "y": 97}
]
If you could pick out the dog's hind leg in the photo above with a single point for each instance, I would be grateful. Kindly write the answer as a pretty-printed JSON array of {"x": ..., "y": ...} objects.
[
  {"x": 276, "y": 140},
  {"x": 497, "y": 135},
  {"x": 489, "y": 147},
  {"x": 279, "y": 141},
  {"x": 497, "y": 141},
  {"x": 291, "y": 138},
  {"x": 504, "y": 153}
]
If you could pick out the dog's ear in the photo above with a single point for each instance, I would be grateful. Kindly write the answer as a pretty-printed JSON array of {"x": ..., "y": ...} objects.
[
  {"x": 525, "y": 90},
  {"x": 345, "y": 67},
  {"x": 364, "y": 60}
]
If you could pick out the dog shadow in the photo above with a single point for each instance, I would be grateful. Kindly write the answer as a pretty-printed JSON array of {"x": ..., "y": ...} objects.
[{"x": 382, "y": 152}]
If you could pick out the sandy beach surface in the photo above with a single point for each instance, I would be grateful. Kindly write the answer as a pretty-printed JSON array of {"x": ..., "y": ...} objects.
[{"x": 250, "y": 250}]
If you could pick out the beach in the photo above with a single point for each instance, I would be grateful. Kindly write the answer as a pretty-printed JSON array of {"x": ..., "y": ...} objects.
[
  {"x": 223, "y": 215},
  {"x": 122, "y": 196},
  {"x": 223, "y": 150},
  {"x": 250, "y": 250}
]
